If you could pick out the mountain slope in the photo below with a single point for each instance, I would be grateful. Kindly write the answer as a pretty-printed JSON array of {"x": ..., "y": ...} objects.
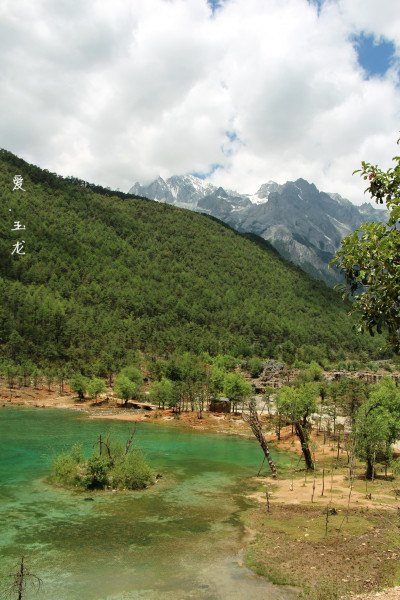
[
  {"x": 105, "y": 274},
  {"x": 305, "y": 225}
]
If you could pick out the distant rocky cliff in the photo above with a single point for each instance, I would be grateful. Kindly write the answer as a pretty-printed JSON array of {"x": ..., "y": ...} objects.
[{"x": 305, "y": 225}]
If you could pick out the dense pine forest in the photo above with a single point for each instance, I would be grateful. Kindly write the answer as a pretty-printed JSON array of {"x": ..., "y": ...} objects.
[{"x": 106, "y": 274}]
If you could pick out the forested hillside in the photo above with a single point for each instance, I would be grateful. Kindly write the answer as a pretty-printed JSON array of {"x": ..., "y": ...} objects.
[
  {"x": 105, "y": 273},
  {"x": 305, "y": 225}
]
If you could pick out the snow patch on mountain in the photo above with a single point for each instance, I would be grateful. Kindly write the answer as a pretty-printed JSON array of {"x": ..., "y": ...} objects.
[{"x": 305, "y": 225}]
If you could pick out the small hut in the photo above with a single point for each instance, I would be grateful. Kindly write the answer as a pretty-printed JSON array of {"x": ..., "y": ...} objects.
[{"x": 220, "y": 405}]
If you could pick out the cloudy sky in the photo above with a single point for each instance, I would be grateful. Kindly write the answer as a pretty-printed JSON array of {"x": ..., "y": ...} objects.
[{"x": 239, "y": 91}]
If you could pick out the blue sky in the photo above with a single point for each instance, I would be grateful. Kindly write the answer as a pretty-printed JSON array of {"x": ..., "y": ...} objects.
[
  {"x": 215, "y": 4},
  {"x": 374, "y": 56}
]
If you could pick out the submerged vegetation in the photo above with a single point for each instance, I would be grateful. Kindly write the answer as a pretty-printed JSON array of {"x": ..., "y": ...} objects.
[{"x": 111, "y": 466}]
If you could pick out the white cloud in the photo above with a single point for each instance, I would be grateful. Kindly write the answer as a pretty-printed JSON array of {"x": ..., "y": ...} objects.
[
  {"x": 124, "y": 92},
  {"x": 380, "y": 19}
]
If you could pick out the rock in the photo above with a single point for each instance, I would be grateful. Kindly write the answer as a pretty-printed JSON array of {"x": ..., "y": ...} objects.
[{"x": 331, "y": 511}]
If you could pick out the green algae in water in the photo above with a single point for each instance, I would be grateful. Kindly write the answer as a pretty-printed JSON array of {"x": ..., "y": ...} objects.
[{"x": 178, "y": 539}]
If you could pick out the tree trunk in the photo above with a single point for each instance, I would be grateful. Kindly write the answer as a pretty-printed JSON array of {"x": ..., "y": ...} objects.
[
  {"x": 303, "y": 437},
  {"x": 278, "y": 428},
  {"x": 253, "y": 421},
  {"x": 334, "y": 419},
  {"x": 21, "y": 579},
  {"x": 369, "y": 474}
]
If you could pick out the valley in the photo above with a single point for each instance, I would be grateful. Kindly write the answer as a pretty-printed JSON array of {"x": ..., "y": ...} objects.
[
  {"x": 135, "y": 317},
  {"x": 200, "y": 300},
  {"x": 279, "y": 539}
]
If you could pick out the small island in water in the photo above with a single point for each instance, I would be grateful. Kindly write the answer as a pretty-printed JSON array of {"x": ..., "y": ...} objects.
[{"x": 112, "y": 465}]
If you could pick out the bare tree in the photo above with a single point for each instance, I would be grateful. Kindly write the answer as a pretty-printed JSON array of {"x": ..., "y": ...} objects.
[
  {"x": 254, "y": 422},
  {"x": 22, "y": 579},
  {"x": 130, "y": 440}
]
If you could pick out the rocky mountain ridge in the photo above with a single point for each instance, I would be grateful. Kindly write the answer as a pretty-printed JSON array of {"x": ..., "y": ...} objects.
[{"x": 305, "y": 225}]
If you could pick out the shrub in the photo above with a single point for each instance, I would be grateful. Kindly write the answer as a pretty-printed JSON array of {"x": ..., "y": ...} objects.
[
  {"x": 96, "y": 476},
  {"x": 300, "y": 364},
  {"x": 342, "y": 365},
  {"x": 124, "y": 388},
  {"x": 66, "y": 468},
  {"x": 78, "y": 383},
  {"x": 95, "y": 386},
  {"x": 116, "y": 467},
  {"x": 134, "y": 374},
  {"x": 131, "y": 472},
  {"x": 255, "y": 366},
  {"x": 314, "y": 371}
]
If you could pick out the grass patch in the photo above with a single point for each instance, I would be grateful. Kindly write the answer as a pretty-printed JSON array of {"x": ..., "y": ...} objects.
[
  {"x": 323, "y": 590},
  {"x": 271, "y": 572},
  {"x": 311, "y": 525},
  {"x": 397, "y": 576},
  {"x": 382, "y": 490},
  {"x": 290, "y": 548}
]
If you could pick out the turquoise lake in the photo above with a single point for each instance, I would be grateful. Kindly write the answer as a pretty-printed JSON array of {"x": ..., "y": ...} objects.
[{"x": 180, "y": 539}]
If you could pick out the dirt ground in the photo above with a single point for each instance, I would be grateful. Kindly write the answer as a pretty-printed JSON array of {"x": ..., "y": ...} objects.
[
  {"x": 391, "y": 594},
  {"x": 358, "y": 552},
  {"x": 38, "y": 398},
  {"x": 108, "y": 407},
  {"x": 333, "y": 538},
  {"x": 293, "y": 546},
  {"x": 334, "y": 492}
]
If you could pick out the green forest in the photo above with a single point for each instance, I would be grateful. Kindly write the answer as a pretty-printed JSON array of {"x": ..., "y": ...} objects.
[{"x": 107, "y": 274}]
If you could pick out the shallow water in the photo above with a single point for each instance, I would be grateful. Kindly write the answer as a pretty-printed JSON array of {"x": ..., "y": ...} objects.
[{"x": 178, "y": 540}]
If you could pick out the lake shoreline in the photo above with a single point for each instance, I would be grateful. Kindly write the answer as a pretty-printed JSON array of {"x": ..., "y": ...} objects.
[
  {"x": 279, "y": 525},
  {"x": 192, "y": 518}
]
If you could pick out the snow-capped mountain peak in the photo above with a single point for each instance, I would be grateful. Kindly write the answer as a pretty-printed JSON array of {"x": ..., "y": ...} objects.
[
  {"x": 262, "y": 194},
  {"x": 305, "y": 225},
  {"x": 183, "y": 190}
]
